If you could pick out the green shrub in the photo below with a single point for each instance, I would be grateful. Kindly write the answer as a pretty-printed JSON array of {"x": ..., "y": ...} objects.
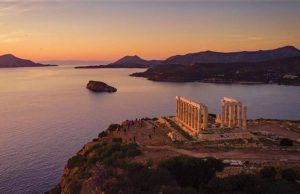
[
  {"x": 132, "y": 150},
  {"x": 75, "y": 187},
  {"x": 190, "y": 171},
  {"x": 92, "y": 160},
  {"x": 76, "y": 161},
  {"x": 112, "y": 127},
  {"x": 116, "y": 150},
  {"x": 102, "y": 134},
  {"x": 268, "y": 172},
  {"x": 241, "y": 183},
  {"x": 117, "y": 140},
  {"x": 141, "y": 179},
  {"x": 189, "y": 190},
  {"x": 289, "y": 174},
  {"x": 286, "y": 142},
  {"x": 149, "y": 163}
]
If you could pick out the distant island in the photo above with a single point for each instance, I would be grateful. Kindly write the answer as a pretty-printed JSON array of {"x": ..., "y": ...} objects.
[
  {"x": 126, "y": 62},
  {"x": 11, "y": 61}
]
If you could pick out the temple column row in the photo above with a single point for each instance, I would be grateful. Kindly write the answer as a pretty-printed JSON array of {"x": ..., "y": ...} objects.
[
  {"x": 233, "y": 114},
  {"x": 193, "y": 116}
]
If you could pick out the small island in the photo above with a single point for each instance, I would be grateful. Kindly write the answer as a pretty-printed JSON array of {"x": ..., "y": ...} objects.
[{"x": 98, "y": 86}]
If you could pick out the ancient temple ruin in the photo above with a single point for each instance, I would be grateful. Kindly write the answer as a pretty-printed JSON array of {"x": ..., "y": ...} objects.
[
  {"x": 233, "y": 114},
  {"x": 193, "y": 116}
]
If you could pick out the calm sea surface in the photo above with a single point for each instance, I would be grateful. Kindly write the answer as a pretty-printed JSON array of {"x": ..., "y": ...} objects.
[{"x": 46, "y": 114}]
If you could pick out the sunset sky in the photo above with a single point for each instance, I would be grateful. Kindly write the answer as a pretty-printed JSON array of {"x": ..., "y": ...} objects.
[{"x": 107, "y": 30}]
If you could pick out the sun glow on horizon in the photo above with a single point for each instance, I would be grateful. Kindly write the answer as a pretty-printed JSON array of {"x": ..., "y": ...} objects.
[{"x": 107, "y": 31}]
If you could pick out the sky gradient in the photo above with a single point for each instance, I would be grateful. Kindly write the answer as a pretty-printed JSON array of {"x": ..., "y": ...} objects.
[{"x": 102, "y": 30}]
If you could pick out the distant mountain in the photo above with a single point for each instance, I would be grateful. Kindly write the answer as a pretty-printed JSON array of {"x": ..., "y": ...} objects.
[
  {"x": 126, "y": 62},
  {"x": 10, "y": 61},
  {"x": 134, "y": 61},
  {"x": 204, "y": 57},
  {"x": 232, "y": 57}
]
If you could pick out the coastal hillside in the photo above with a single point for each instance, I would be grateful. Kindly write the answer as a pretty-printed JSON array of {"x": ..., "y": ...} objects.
[
  {"x": 232, "y": 57},
  {"x": 149, "y": 156},
  {"x": 280, "y": 71},
  {"x": 11, "y": 61}
]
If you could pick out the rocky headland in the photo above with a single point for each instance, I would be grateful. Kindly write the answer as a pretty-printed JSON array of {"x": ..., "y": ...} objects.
[
  {"x": 141, "y": 156},
  {"x": 98, "y": 86}
]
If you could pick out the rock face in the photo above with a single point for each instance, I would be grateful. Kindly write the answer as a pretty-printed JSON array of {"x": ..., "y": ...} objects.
[{"x": 97, "y": 86}]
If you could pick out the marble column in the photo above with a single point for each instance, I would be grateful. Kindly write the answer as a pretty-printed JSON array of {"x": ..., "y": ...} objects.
[
  {"x": 199, "y": 119},
  {"x": 189, "y": 114},
  {"x": 195, "y": 117},
  {"x": 205, "y": 118},
  {"x": 177, "y": 108},
  {"x": 233, "y": 114},
  {"x": 225, "y": 115},
  {"x": 184, "y": 112},
  {"x": 229, "y": 116},
  {"x": 240, "y": 115},
  {"x": 222, "y": 115},
  {"x": 245, "y": 117},
  {"x": 192, "y": 115}
]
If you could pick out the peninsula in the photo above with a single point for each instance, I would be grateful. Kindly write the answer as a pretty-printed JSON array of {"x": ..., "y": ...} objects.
[
  {"x": 11, "y": 61},
  {"x": 193, "y": 152},
  {"x": 281, "y": 71}
]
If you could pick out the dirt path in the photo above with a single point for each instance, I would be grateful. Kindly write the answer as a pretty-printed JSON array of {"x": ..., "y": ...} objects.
[{"x": 254, "y": 155}]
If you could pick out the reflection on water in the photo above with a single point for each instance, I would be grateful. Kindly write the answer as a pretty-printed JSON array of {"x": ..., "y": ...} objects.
[{"x": 46, "y": 114}]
